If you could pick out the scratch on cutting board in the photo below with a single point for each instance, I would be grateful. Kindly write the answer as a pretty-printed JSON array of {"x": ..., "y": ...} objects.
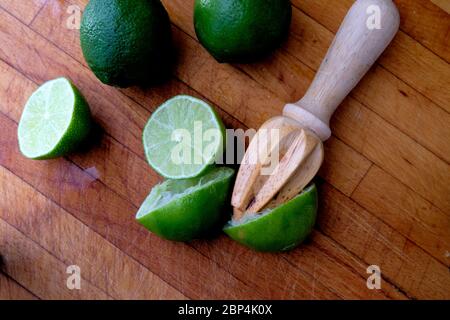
[
  {"x": 56, "y": 7},
  {"x": 376, "y": 234},
  {"x": 91, "y": 175},
  {"x": 313, "y": 291},
  {"x": 93, "y": 172}
]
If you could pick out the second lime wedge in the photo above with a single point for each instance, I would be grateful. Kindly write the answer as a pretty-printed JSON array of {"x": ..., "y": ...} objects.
[{"x": 182, "y": 210}]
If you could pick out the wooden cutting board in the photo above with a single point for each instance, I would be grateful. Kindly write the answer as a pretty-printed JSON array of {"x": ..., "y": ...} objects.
[{"x": 385, "y": 185}]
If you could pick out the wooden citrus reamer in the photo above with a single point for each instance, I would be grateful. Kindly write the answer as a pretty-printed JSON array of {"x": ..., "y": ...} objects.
[{"x": 367, "y": 30}]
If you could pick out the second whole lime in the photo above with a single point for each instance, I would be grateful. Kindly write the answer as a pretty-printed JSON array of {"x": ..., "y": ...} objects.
[
  {"x": 127, "y": 42},
  {"x": 241, "y": 31}
]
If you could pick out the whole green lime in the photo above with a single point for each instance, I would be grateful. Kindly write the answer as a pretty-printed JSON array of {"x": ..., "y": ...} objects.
[
  {"x": 127, "y": 42},
  {"x": 183, "y": 210},
  {"x": 280, "y": 229},
  {"x": 241, "y": 30}
]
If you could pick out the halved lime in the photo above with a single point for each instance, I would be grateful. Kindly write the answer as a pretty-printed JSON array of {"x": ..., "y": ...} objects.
[
  {"x": 183, "y": 138},
  {"x": 56, "y": 119},
  {"x": 280, "y": 229},
  {"x": 182, "y": 210}
]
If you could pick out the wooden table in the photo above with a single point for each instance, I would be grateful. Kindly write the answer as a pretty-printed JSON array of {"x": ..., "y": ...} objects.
[{"x": 385, "y": 186}]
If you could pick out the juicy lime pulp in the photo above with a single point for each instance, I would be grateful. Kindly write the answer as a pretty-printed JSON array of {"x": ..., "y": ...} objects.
[
  {"x": 241, "y": 31},
  {"x": 280, "y": 229},
  {"x": 183, "y": 138},
  {"x": 127, "y": 42},
  {"x": 182, "y": 210},
  {"x": 56, "y": 119}
]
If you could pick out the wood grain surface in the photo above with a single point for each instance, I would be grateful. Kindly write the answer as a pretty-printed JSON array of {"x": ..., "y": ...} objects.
[{"x": 384, "y": 187}]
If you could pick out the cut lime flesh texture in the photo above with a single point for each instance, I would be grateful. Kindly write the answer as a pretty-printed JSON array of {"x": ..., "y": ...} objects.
[
  {"x": 181, "y": 123},
  {"x": 182, "y": 210},
  {"x": 56, "y": 119},
  {"x": 280, "y": 229}
]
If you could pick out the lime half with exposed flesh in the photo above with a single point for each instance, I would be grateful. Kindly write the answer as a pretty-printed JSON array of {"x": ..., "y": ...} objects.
[
  {"x": 55, "y": 121},
  {"x": 183, "y": 138}
]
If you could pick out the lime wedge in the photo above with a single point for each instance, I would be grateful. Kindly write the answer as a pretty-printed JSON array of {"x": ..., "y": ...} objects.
[
  {"x": 279, "y": 229},
  {"x": 182, "y": 210},
  {"x": 56, "y": 119},
  {"x": 183, "y": 138}
]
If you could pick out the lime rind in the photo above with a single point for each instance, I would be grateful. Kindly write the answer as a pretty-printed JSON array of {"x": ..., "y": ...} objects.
[
  {"x": 183, "y": 210},
  {"x": 171, "y": 190},
  {"x": 180, "y": 113},
  {"x": 236, "y": 31},
  {"x": 127, "y": 42},
  {"x": 279, "y": 229}
]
